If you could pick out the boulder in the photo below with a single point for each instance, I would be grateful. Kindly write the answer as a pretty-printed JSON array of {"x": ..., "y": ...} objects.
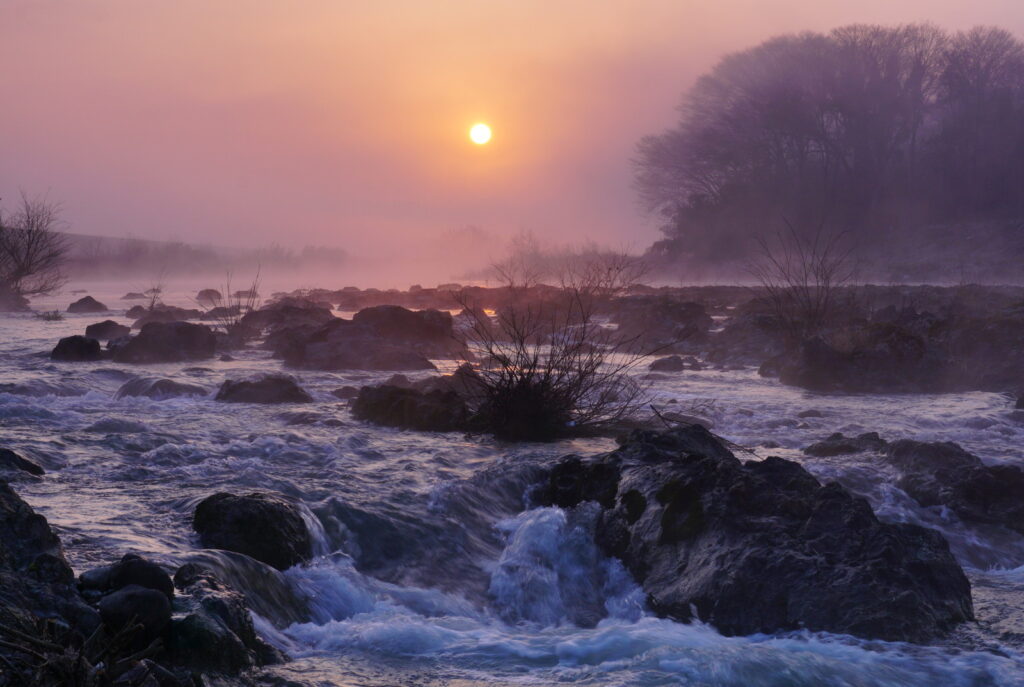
[
  {"x": 840, "y": 445},
  {"x": 162, "y": 313},
  {"x": 9, "y": 460},
  {"x": 394, "y": 406},
  {"x": 342, "y": 345},
  {"x": 133, "y": 296},
  {"x": 271, "y": 388},
  {"x": 168, "y": 342},
  {"x": 133, "y": 604},
  {"x": 87, "y": 304},
  {"x": 672, "y": 363},
  {"x": 107, "y": 330},
  {"x": 944, "y": 474},
  {"x": 661, "y": 325},
  {"x": 76, "y": 349},
  {"x": 259, "y": 525},
  {"x": 346, "y": 393},
  {"x": 130, "y": 570},
  {"x": 761, "y": 546},
  {"x": 158, "y": 388}
]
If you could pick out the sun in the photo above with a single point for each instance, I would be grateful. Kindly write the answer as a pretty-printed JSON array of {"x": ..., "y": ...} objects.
[{"x": 480, "y": 133}]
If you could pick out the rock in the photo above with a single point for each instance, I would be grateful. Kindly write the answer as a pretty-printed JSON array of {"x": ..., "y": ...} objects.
[
  {"x": 888, "y": 360},
  {"x": 1019, "y": 405},
  {"x": 158, "y": 388},
  {"x": 944, "y": 474},
  {"x": 810, "y": 413},
  {"x": 87, "y": 304},
  {"x": 271, "y": 388},
  {"x": 393, "y": 406},
  {"x": 761, "y": 546},
  {"x": 259, "y": 525},
  {"x": 9, "y": 460},
  {"x": 226, "y": 358},
  {"x": 209, "y": 298},
  {"x": 839, "y": 445},
  {"x": 346, "y": 393},
  {"x": 162, "y": 313},
  {"x": 749, "y": 338},
  {"x": 672, "y": 363},
  {"x": 76, "y": 349},
  {"x": 168, "y": 342},
  {"x": 133, "y": 296},
  {"x": 148, "y": 608},
  {"x": 130, "y": 570},
  {"x": 107, "y": 330},
  {"x": 136, "y": 311},
  {"x": 427, "y": 331},
  {"x": 661, "y": 325},
  {"x": 289, "y": 313},
  {"x": 218, "y": 634}
]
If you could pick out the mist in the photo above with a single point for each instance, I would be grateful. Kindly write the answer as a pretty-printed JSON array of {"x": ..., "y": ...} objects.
[{"x": 346, "y": 126}]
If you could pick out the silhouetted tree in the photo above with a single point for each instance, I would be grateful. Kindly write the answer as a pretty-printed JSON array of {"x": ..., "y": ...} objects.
[{"x": 32, "y": 252}]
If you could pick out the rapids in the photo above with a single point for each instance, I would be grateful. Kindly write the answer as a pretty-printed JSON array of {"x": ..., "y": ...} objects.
[{"x": 459, "y": 580}]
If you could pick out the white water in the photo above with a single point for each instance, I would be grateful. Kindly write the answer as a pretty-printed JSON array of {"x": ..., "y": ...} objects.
[{"x": 466, "y": 589}]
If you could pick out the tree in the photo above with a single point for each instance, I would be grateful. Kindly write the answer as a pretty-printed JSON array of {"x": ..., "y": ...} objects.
[
  {"x": 32, "y": 252},
  {"x": 548, "y": 367}
]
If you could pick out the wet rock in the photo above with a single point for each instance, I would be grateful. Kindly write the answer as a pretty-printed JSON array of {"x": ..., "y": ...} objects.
[
  {"x": 672, "y": 363},
  {"x": 9, "y": 460},
  {"x": 393, "y": 406},
  {"x": 217, "y": 635},
  {"x": 158, "y": 388},
  {"x": 161, "y": 313},
  {"x": 761, "y": 546},
  {"x": 148, "y": 608},
  {"x": 168, "y": 342},
  {"x": 839, "y": 445},
  {"x": 346, "y": 393},
  {"x": 76, "y": 349},
  {"x": 271, "y": 388},
  {"x": 107, "y": 330},
  {"x": 260, "y": 525},
  {"x": 130, "y": 570},
  {"x": 810, "y": 413},
  {"x": 944, "y": 474},
  {"x": 289, "y": 313},
  {"x": 87, "y": 304},
  {"x": 661, "y": 325},
  {"x": 750, "y": 338},
  {"x": 1019, "y": 405}
]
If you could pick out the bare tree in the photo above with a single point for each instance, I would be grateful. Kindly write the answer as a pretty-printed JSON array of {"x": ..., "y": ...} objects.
[
  {"x": 548, "y": 367},
  {"x": 231, "y": 306},
  {"x": 800, "y": 275},
  {"x": 32, "y": 250}
]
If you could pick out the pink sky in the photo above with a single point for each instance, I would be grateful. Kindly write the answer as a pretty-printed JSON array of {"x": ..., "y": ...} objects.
[{"x": 345, "y": 123}]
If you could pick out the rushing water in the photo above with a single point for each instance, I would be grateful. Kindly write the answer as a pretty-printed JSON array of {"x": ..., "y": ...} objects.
[{"x": 459, "y": 585}]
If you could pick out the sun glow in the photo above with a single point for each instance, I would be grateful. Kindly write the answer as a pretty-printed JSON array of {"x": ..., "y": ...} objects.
[{"x": 480, "y": 134}]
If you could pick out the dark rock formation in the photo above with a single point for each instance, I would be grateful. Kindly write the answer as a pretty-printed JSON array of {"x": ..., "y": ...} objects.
[
  {"x": 760, "y": 546},
  {"x": 107, "y": 330},
  {"x": 168, "y": 342},
  {"x": 76, "y": 349},
  {"x": 271, "y": 388},
  {"x": 838, "y": 445},
  {"x": 149, "y": 608},
  {"x": 130, "y": 570},
  {"x": 672, "y": 363},
  {"x": 393, "y": 406},
  {"x": 161, "y": 313},
  {"x": 133, "y": 296},
  {"x": 158, "y": 388},
  {"x": 261, "y": 526},
  {"x": 346, "y": 393},
  {"x": 661, "y": 324},
  {"x": 748, "y": 338},
  {"x": 9, "y": 460},
  {"x": 87, "y": 304},
  {"x": 944, "y": 474}
]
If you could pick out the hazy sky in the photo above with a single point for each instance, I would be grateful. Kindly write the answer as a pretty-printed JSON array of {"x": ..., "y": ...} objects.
[{"x": 345, "y": 123}]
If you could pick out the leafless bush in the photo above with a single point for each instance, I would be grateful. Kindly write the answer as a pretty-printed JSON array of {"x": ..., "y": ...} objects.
[
  {"x": 549, "y": 367},
  {"x": 801, "y": 276},
  {"x": 32, "y": 250},
  {"x": 229, "y": 309}
]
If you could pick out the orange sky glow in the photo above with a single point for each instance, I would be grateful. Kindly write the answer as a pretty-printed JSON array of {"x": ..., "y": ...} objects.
[{"x": 345, "y": 124}]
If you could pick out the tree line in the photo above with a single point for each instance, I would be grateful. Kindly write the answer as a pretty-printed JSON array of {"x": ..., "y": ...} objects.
[{"x": 867, "y": 131}]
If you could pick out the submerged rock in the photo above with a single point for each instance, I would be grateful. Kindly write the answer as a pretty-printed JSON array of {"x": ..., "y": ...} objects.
[
  {"x": 77, "y": 349},
  {"x": 839, "y": 444},
  {"x": 87, "y": 304},
  {"x": 760, "y": 546},
  {"x": 271, "y": 388},
  {"x": 393, "y": 406},
  {"x": 168, "y": 342},
  {"x": 158, "y": 388},
  {"x": 672, "y": 363},
  {"x": 944, "y": 474},
  {"x": 9, "y": 460},
  {"x": 260, "y": 525},
  {"x": 107, "y": 330}
]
